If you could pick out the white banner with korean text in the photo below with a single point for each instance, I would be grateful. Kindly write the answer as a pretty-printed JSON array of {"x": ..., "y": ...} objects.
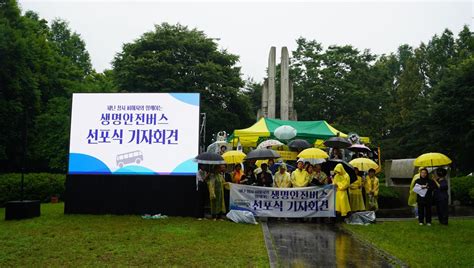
[{"x": 284, "y": 202}]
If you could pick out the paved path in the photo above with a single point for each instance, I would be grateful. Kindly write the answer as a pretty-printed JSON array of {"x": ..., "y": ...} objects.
[{"x": 317, "y": 245}]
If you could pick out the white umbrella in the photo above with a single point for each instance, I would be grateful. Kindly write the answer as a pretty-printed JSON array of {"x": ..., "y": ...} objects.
[
  {"x": 269, "y": 143},
  {"x": 314, "y": 161},
  {"x": 285, "y": 132}
]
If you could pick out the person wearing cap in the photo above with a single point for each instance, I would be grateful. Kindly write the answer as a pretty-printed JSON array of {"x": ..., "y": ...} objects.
[
  {"x": 299, "y": 177},
  {"x": 441, "y": 196},
  {"x": 282, "y": 177},
  {"x": 264, "y": 177},
  {"x": 371, "y": 191},
  {"x": 355, "y": 193},
  {"x": 341, "y": 181}
]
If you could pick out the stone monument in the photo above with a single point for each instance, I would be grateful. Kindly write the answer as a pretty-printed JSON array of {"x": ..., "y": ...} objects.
[{"x": 268, "y": 106}]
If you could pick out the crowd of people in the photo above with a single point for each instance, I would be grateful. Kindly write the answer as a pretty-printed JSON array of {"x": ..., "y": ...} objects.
[{"x": 213, "y": 183}]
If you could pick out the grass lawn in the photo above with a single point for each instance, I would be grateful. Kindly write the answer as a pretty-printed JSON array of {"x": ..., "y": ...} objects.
[
  {"x": 423, "y": 246},
  {"x": 55, "y": 239}
]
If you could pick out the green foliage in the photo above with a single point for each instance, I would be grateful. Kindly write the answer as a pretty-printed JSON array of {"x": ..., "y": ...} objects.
[
  {"x": 452, "y": 114},
  {"x": 389, "y": 197},
  {"x": 460, "y": 189},
  {"x": 70, "y": 45},
  {"x": 409, "y": 102},
  {"x": 173, "y": 58},
  {"x": 387, "y": 192},
  {"x": 38, "y": 186},
  {"x": 40, "y": 67},
  {"x": 471, "y": 193}
]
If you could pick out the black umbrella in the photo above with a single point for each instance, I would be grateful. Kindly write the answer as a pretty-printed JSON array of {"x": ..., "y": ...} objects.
[
  {"x": 338, "y": 143},
  {"x": 210, "y": 159},
  {"x": 331, "y": 164},
  {"x": 262, "y": 154},
  {"x": 299, "y": 144}
]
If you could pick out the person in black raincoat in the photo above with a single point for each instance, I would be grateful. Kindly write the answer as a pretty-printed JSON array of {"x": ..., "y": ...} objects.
[
  {"x": 441, "y": 196},
  {"x": 425, "y": 202}
]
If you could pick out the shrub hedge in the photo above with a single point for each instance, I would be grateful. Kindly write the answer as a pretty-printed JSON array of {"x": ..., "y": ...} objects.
[
  {"x": 461, "y": 188},
  {"x": 388, "y": 197},
  {"x": 37, "y": 186}
]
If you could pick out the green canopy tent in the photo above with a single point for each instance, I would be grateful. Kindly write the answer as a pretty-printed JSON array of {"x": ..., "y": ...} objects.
[{"x": 313, "y": 131}]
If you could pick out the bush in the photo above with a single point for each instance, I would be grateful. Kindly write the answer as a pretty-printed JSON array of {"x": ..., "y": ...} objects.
[
  {"x": 471, "y": 194},
  {"x": 460, "y": 189},
  {"x": 389, "y": 197},
  {"x": 38, "y": 186}
]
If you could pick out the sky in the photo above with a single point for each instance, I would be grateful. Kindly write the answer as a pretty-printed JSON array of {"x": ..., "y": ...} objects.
[{"x": 249, "y": 29}]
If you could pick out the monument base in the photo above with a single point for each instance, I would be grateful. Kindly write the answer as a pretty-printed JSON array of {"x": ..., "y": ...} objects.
[{"x": 26, "y": 209}]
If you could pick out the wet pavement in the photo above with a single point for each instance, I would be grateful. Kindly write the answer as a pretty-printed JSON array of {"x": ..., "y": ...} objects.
[{"x": 319, "y": 245}]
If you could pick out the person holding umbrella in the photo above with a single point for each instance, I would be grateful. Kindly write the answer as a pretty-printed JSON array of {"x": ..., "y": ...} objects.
[
  {"x": 319, "y": 177},
  {"x": 424, "y": 187},
  {"x": 264, "y": 177},
  {"x": 371, "y": 191},
  {"x": 215, "y": 183},
  {"x": 202, "y": 190},
  {"x": 341, "y": 181}
]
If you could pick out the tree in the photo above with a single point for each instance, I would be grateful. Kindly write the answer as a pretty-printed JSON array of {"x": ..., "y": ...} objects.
[
  {"x": 70, "y": 45},
  {"x": 335, "y": 85},
  {"x": 21, "y": 51},
  {"x": 39, "y": 70},
  {"x": 173, "y": 58},
  {"x": 452, "y": 128}
]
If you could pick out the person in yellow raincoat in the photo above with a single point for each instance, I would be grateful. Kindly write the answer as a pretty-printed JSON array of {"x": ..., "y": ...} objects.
[
  {"x": 282, "y": 178},
  {"x": 299, "y": 177},
  {"x": 371, "y": 191},
  {"x": 342, "y": 181},
  {"x": 215, "y": 183},
  {"x": 355, "y": 194},
  {"x": 412, "y": 195}
]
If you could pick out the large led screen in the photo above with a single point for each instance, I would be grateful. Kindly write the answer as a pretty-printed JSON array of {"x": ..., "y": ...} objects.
[{"x": 134, "y": 133}]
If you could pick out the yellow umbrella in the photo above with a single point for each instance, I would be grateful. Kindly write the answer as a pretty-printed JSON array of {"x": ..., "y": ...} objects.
[
  {"x": 233, "y": 157},
  {"x": 364, "y": 164},
  {"x": 313, "y": 153},
  {"x": 432, "y": 159}
]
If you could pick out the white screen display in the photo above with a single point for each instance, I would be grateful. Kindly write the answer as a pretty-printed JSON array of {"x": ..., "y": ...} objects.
[{"x": 134, "y": 133}]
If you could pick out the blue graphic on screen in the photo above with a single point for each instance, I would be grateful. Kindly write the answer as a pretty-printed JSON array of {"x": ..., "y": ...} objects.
[{"x": 86, "y": 164}]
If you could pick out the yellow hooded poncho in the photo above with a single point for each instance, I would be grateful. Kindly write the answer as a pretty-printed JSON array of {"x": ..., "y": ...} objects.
[
  {"x": 342, "y": 180},
  {"x": 411, "y": 194},
  {"x": 282, "y": 180}
]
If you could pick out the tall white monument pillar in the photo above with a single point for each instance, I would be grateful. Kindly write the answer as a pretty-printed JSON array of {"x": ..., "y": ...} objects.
[
  {"x": 285, "y": 84},
  {"x": 271, "y": 83}
]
